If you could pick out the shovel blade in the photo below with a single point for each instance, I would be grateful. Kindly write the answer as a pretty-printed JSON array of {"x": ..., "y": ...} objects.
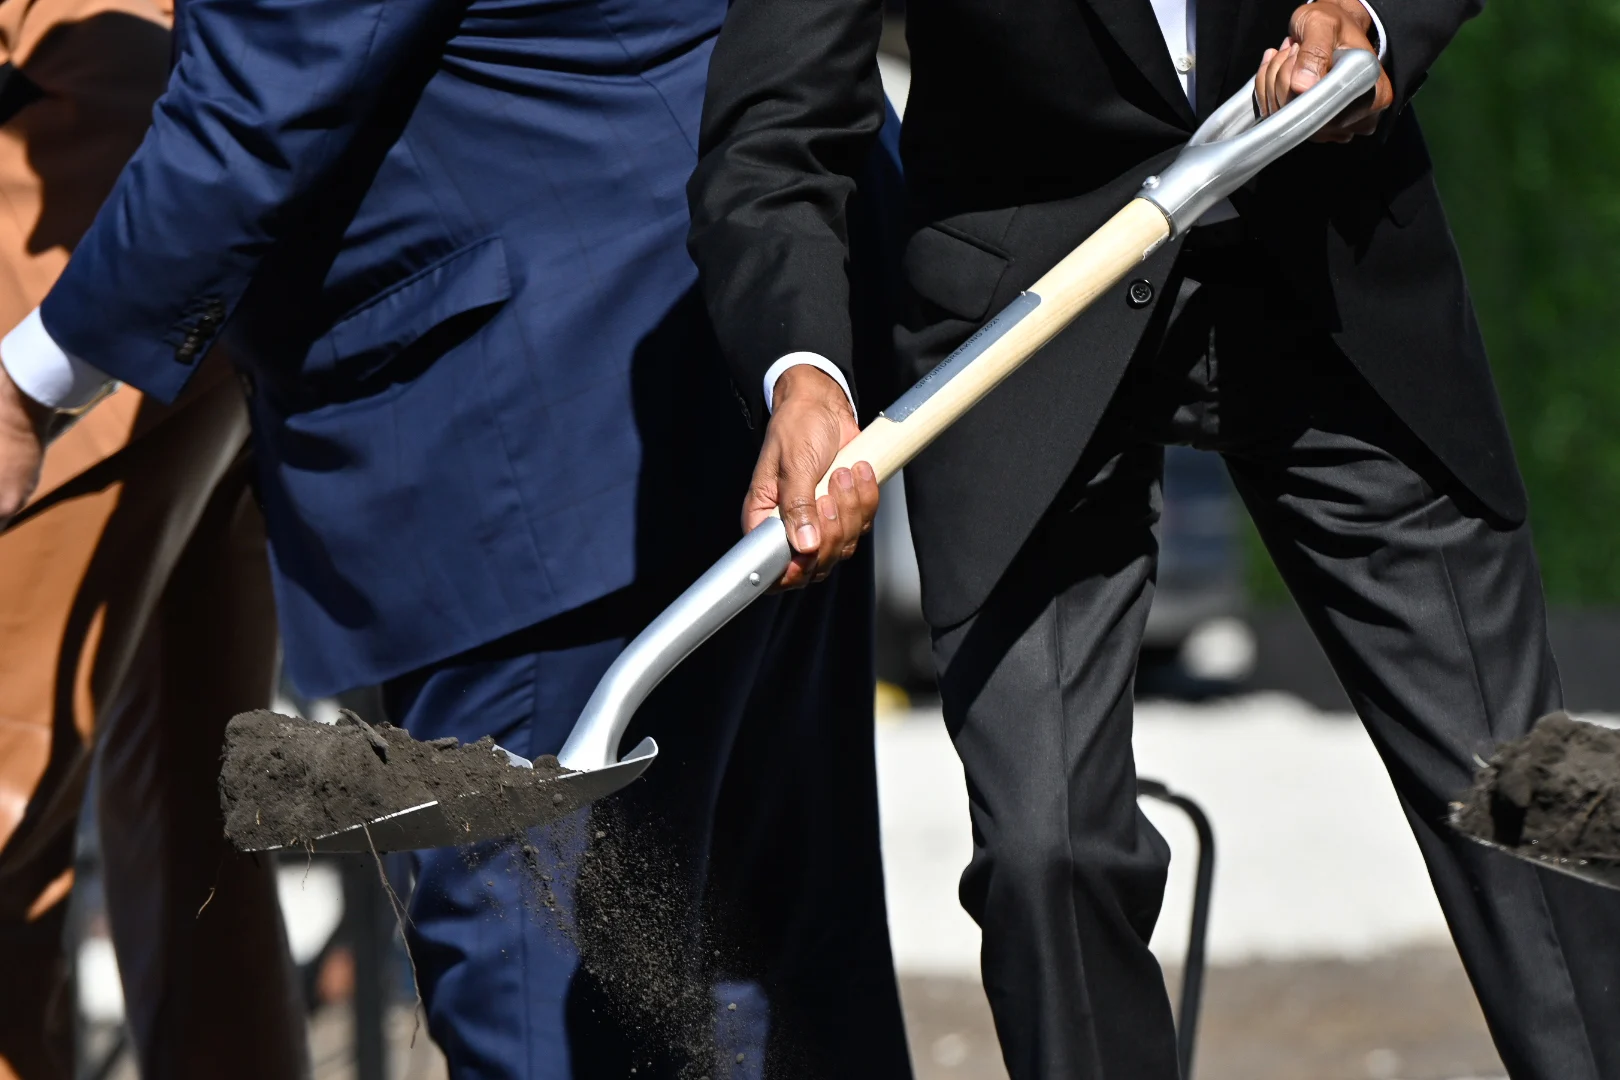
[
  {"x": 477, "y": 816},
  {"x": 1604, "y": 872}
]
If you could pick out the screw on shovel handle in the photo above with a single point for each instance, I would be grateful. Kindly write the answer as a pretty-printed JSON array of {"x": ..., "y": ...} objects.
[{"x": 1222, "y": 156}]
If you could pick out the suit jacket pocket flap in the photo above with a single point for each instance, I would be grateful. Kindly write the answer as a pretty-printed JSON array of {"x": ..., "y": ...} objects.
[
  {"x": 369, "y": 336},
  {"x": 953, "y": 272}
]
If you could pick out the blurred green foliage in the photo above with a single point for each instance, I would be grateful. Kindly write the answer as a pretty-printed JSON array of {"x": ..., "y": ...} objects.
[{"x": 1522, "y": 117}]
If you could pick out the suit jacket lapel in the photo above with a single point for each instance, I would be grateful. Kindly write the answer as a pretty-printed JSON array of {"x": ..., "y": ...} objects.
[
  {"x": 1132, "y": 24},
  {"x": 1219, "y": 26}
]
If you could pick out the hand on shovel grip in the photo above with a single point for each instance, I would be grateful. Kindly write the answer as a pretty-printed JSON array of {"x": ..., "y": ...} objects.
[
  {"x": 810, "y": 423},
  {"x": 1315, "y": 32}
]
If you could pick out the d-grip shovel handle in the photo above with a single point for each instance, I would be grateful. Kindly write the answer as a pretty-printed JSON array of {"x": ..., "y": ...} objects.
[{"x": 1221, "y": 156}]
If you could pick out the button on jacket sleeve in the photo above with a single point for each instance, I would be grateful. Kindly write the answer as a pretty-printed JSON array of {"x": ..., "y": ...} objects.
[
  {"x": 793, "y": 107},
  {"x": 264, "y": 99}
]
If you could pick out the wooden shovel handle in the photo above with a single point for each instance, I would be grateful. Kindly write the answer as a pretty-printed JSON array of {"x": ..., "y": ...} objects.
[{"x": 963, "y": 379}]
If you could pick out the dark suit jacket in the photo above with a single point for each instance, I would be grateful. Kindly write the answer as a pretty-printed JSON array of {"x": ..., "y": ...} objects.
[
  {"x": 445, "y": 242},
  {"x": 1028, "y": 125}
]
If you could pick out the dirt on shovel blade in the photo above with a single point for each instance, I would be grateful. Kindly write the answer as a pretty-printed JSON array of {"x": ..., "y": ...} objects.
[
  {"x": 1554, "y": 793},
  {"x": 287, "y": 781}
]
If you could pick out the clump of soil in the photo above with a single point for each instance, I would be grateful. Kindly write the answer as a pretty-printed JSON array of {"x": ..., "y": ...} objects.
[
  {"x": 287, "y": 781},
  {"x": 1555, "y": 793}
]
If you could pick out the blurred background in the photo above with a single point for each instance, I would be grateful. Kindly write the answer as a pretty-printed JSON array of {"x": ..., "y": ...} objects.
[{"x": 1329, "y": 958}]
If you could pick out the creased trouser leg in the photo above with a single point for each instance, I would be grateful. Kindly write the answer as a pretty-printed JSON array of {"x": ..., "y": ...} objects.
[
  {"x": 1434, "y": 619},
  {"x": 1067, "y": 874}
]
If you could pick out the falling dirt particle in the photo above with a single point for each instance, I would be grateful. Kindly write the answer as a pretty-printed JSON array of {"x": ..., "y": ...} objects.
[
  {"x": 740, "y": 1058},
  {"x": 732, "y": 1007},
  {"x": 642, "y": 940},
  {"x": 557, "y": 798}
]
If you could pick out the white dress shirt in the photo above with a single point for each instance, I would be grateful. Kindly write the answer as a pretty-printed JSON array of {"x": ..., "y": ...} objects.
[{"x": 48, "y": 375}]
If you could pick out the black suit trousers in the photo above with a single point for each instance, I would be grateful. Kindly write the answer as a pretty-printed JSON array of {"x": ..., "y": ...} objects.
[{"x": 1429, "y": 607}]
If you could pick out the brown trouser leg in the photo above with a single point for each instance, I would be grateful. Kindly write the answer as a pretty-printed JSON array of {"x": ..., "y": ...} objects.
[
  {"x": 156, "y": 621},
  {"x": 48, "y": 647},
  {"x": 36, "y": 1020},
  {"x": 210, "y": 990}
]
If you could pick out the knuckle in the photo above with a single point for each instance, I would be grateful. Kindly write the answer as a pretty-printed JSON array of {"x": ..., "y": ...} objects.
[
  {"x": 801, "y": 510},
  {"x": 804, "y": 463},
  {"x": 1316, "y": 23}
]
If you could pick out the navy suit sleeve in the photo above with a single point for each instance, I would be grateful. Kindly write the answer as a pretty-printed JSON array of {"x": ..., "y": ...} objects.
[
  {"x": 794, "y": 103},
  {"x": 265, "y": 97}
]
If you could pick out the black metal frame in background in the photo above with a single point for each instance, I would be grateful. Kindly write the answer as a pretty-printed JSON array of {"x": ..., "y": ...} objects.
[{"x": 1192, "y": 973}]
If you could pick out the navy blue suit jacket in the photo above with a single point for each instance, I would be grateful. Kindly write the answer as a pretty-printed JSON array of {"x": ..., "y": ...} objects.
[{"x": 445, "y": 242}]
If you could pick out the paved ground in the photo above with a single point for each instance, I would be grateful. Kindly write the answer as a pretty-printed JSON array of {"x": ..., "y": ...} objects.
[
  {"x": 1314, "y": 858},
  {"x": 1405, "y": 1016}
]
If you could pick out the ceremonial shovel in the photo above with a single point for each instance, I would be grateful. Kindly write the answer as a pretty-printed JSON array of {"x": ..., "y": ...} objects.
[{"x": 1223, "y": 155}]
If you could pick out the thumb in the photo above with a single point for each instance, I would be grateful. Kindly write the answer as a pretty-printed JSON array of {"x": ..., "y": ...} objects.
[
  {"x": 797, "y": 503},
  {"x": 1316, "y": 36}
]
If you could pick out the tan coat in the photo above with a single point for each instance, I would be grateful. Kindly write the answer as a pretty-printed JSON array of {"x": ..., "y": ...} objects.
[
  {"x": 135, "y": 608},
  {"x": 98, "y": 65}
]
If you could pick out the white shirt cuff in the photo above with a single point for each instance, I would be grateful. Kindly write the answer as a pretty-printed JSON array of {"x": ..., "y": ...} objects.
[
  {"x": 815, "y": 360},
  {"x": 39, "y": 367},
  {"x": 1378, "y": 28}
]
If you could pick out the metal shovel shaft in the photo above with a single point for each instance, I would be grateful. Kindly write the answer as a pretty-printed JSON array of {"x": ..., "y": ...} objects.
[{"x": 744, "y": 574}]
